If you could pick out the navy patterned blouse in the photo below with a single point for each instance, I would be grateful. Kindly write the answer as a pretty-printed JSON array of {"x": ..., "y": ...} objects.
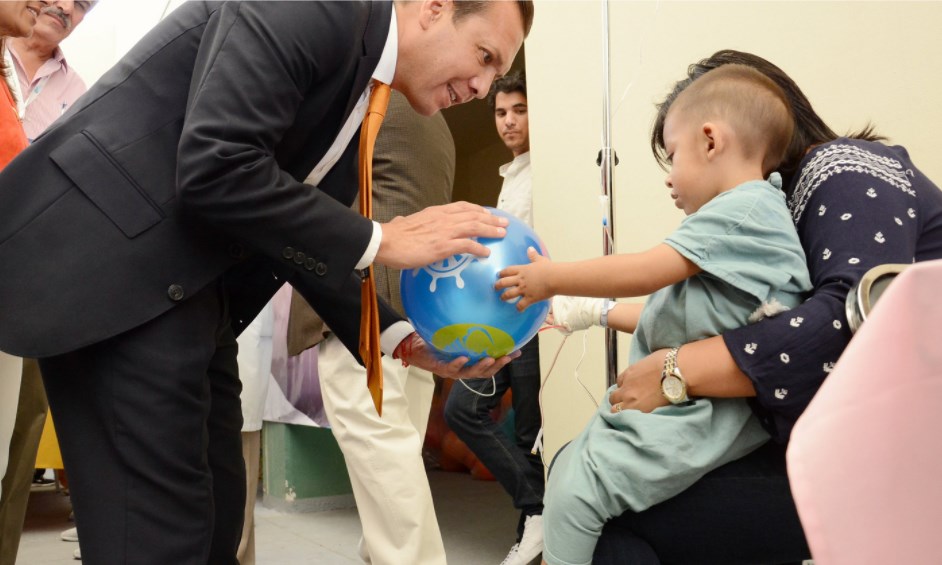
[{"x": 856, "y": 204}]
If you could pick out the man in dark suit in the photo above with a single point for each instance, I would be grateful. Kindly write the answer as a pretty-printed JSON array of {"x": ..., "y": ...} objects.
[{"x": 169, "y": 201}]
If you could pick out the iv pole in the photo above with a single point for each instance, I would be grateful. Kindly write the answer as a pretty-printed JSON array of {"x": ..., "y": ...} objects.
[{"x": 605, "y": 163}]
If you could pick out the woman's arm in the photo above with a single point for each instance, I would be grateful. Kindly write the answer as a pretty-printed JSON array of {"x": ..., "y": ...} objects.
[{"x": 707, "y": 367}]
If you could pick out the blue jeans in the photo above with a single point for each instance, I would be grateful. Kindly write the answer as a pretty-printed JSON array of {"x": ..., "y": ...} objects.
[
  {"x": 508, "y": 459},
  {"x": 740, "y": 513}
]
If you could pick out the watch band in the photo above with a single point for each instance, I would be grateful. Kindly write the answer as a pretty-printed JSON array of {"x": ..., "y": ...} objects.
[
  {"x": 670, "y": 362},
  {"x": 672, "y": 371}
]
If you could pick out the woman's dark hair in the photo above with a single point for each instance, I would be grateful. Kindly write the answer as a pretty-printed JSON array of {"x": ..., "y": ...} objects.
[{"x": 810, "y": 129}]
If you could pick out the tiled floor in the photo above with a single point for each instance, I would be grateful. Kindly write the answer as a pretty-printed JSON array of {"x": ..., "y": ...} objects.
[
  {"x": 477, "y": 521},
  {"x": 476, "y": 518}
]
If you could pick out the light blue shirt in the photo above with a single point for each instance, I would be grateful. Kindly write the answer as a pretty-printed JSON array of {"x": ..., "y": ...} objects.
[{"x": 746, "y": 244}]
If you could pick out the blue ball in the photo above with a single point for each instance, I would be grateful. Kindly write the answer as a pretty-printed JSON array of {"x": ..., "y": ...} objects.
[{"x": 454, "y": 306}]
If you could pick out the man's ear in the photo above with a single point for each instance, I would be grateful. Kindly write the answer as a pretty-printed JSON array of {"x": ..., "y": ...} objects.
[{"x": 432, "y": 11}]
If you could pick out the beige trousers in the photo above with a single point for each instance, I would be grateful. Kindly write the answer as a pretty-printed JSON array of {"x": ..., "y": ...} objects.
[
  {"x": 11, "y": 374},
  {"x": 384, "y": 455},
  {"x": 251, "y": 452}
]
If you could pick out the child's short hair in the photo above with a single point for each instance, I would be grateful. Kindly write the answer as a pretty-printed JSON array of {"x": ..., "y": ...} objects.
[{"x": 753, "y": 105}]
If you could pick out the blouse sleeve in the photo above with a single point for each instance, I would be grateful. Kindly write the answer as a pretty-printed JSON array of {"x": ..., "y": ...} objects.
[{"x": 854, "y": 211}]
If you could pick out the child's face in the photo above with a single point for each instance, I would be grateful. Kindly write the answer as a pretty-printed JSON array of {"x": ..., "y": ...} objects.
[{"x": 691, "y": 177}]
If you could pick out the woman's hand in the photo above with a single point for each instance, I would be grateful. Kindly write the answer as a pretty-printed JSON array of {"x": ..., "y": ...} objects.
[
  {"x": 707, "y": 366},
  {"x": 639, "y": 386}
]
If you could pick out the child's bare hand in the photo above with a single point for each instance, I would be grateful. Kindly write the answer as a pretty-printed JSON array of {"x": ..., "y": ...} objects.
[{"x": 530, "y": 283}]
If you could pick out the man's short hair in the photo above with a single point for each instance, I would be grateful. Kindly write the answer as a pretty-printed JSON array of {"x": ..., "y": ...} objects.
[
  {"x": 464, "y": 8},
  {"x": 514, "y": 82}
]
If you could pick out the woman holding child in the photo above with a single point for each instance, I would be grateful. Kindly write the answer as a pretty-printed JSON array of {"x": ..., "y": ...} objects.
[{"x": 856, "y": 203}]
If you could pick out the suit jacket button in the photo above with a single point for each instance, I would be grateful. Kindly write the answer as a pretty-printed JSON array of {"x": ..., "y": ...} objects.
[
  {"x": 299, "y": 258},
  {"x": 320, "y": 269},
  {"x": 288, "y": 252},
  {"x": 310, "y": 263},
  {"x": 175, "y": 292},
  {"x": 236, "y": 251}
]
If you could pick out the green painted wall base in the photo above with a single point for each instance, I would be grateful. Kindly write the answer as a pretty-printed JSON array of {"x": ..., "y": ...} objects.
[{"x": 303, "y": 469}]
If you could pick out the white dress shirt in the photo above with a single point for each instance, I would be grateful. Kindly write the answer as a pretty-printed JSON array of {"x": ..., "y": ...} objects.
[
  {"x": 384, "y": 72},
  {"x": 516, "y": 194}
]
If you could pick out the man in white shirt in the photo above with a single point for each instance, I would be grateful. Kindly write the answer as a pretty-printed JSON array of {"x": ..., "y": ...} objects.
[{"x": 512, "y": 461}]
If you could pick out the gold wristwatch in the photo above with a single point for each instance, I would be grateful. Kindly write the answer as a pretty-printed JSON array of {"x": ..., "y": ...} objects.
[{"x": 673, "y": 385}]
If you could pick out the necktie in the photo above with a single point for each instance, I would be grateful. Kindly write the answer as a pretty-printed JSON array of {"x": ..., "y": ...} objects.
[{"x": 369, "y": 314}]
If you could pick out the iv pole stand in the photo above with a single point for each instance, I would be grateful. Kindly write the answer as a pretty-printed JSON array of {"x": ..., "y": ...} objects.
[{"x": 605, "y": 163}]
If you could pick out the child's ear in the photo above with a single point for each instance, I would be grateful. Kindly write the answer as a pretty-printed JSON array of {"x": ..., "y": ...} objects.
[{"x": 713, "y": 139}]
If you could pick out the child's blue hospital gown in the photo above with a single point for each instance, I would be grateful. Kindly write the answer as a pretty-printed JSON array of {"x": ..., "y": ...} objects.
[{"x": 746, "y": 245}]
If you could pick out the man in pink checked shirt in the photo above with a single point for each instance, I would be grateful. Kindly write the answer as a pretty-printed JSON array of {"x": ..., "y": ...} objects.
[
  {"x": 47, "y": 88},
  {"x": 48, "y": 85}
]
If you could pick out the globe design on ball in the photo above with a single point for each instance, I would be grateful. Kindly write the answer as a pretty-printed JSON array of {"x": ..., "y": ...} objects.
[
  {"x": 449, "y": 267},
  {"x": 453, "y": 304}
]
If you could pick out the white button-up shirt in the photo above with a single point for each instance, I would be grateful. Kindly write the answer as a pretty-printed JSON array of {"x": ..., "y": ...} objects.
[{"x": 516, "y": 194}]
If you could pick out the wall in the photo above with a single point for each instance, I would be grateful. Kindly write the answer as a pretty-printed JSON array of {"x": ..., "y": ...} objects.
[
  {"x": 856, "y": 61},
  {"x": 109, "y": 31}
]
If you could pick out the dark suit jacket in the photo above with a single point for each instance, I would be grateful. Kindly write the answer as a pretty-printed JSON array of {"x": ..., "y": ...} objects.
[
  {"x": 413, "y": 168},
  {"x": 182, "y": 168}
]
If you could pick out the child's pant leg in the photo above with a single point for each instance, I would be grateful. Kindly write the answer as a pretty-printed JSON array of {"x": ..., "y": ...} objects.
[{"x": 577, "y": 503}]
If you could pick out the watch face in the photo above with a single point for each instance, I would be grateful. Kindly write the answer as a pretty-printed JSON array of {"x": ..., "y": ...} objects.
[{"x": 673, "y": 388}]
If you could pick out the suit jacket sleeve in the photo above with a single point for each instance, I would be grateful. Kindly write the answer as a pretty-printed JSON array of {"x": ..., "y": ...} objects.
[{"x": 259, "y": 66}]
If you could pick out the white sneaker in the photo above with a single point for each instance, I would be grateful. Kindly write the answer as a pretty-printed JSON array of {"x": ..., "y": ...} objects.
[
  {"x": 531, "y": 543},
  {"x": 77, "y": 554},
  {"x": 69, "y": 535}
]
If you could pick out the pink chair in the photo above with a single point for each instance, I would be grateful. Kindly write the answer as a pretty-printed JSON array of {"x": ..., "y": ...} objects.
[{"x": 865, "y": 459}]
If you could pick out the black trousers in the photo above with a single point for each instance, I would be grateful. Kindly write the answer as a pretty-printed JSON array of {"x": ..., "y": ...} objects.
[
  {"x": 509, "y": 459},
  {"x": 741, "y": 513},
  {"x": 149, "y": 426}
]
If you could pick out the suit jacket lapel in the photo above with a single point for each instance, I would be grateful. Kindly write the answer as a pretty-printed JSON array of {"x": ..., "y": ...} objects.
[{"x": 374, "y": 39}]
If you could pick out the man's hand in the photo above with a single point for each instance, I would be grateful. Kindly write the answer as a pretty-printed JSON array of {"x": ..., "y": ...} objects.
[
  {"x": 438, "y": 232},
  {"x": 415, "y": 351},
  {"x": 639, "y": 386},
  {"x": 529, "y": 282}
]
